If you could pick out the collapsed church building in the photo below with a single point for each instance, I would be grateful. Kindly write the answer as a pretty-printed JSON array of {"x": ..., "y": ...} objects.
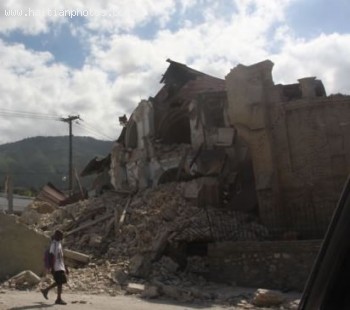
[
  {"x": 279, "y": 152},
  {"x": 184, "y": 134},
  {"x": 259, "y": 168},
  {"x": 275, "y": 156}
]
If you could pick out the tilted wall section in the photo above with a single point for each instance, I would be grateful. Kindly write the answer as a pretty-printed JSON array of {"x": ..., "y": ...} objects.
[{"x": 20, "y": 248}]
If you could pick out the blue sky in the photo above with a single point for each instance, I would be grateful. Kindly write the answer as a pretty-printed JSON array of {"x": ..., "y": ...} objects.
[
  {"x": 312, "y": 17},
  {"x": 101, "y": 67},
  {"x": 65, "y": 47}
]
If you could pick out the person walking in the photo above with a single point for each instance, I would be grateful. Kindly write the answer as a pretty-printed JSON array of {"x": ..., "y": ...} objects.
[{"x": 57, "y": 266}]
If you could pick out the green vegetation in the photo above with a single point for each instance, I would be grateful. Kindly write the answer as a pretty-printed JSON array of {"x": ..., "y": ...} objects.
[{"x": 35, "y": 161}]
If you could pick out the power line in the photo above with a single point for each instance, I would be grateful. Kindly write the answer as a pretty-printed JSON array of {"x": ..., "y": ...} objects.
[
  {"x": 43, "y": 116},
  {"x": 27, "y": 114},
  {"x": 93, "y": 130}
]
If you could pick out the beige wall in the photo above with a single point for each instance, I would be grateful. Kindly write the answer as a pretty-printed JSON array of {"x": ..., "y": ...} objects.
[
  {"x": 300, "y": 148},
  {"x": 20, "y": 248}
]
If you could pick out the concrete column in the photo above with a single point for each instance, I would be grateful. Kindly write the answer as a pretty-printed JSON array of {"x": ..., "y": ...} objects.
[{"x": 307, "y": 86}]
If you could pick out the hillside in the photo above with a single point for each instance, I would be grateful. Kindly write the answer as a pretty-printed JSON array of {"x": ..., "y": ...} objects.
[{"x": 35, "y": 161}]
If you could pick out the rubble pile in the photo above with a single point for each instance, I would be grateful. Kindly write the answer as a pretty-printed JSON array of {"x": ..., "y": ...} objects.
[
  {"x": 127, "y": 235},
  {"x": 118, "y": 226}
]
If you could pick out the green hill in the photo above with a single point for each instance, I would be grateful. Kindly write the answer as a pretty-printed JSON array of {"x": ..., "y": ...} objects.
[{"x": 35, "y": 161}]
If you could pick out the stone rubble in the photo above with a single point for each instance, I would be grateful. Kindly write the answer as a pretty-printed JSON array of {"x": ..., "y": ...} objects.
[{"x": 126, "y": 236}]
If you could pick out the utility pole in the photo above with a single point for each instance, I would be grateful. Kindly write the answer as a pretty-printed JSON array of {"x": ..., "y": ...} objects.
[
  {"x": 9, "y": 191},
  {"x": 69, "y": 120}
]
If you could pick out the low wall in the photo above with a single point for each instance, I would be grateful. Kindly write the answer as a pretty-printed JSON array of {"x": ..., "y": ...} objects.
[
  {"x": 20, "y": 248},
  {"x": 283, "y": 265}
]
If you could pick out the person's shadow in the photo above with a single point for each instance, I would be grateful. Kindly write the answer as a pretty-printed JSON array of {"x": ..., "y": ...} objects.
[{"x": 37, "y": 305}]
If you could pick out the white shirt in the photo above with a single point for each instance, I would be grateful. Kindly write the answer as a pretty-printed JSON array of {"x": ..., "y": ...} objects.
[{"x": 56, "y": 250}]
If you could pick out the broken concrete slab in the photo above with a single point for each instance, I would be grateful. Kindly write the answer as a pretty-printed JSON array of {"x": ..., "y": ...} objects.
[
  {"x": 25, "y": 278},
  {"x": 23, "y": 247},
  {"x": 135, "y": 288},
  {"x": 76, "y": 256}
]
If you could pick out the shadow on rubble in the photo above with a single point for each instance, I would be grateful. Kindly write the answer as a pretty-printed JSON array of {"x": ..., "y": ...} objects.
[{"x": 37, "y": 305}]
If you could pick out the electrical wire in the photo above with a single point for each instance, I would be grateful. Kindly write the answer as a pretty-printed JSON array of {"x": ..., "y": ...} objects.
[
  {"x": 27, "y": 114},
  {"x": 43, "y": 116},
  {"x": 91, "y": 129}
]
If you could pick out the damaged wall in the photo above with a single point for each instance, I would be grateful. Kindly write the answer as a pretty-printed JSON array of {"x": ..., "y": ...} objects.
[
  {"x": 285, "y": 148},
  {"x": 21, "y": 248},
  {"x": 182, "y": 133},
  {"x": 270, "y": 264},
  {"x": 300, "y": 145}
]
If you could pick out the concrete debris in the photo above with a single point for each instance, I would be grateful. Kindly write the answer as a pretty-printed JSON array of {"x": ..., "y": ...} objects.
[
  {"x": 171, "y": 291},
  {"x": 141, "y": 238},
  {"x": 154, "y": 218},
  {"x": 150, "y": 292},
  {"x": 42, "y": 207},
  {"x": 30, "y": 217},
  {"x": 22, "y": 248},
  {"x": 76, "y": 256},
  {"x": 169, "y": 264},
  {"x": 140, "y": 265},
  {"x": 120, "y": 276},
  {"x": 267, "y": 298},
  {"x": 24, "y": 279},
  {"x": 134, "y": 288}
]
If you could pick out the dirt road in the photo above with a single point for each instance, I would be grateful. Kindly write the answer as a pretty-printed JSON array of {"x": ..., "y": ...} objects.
[{"x": 18, "y": 300}]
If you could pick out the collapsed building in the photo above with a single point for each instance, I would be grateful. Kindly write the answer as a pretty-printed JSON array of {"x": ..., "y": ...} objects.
[
  {"x": 246, "y": 151},
  {"x": 241, "y": 172},
  {"x": 279, "y": 152},
  {"x": 184, "y": 134}
]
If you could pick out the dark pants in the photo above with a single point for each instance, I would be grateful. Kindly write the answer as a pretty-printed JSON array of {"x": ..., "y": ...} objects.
[{"x": 60, "y": 277}]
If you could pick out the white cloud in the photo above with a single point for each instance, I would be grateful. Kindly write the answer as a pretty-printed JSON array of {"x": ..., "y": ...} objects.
[
  {"x": 113, "y": 16},
  {"x": 32, "y": 83},
  {"x": 325, "y": 57},
  {"x": 123, "y": 68},
  {"x": 210, "y": 45}
]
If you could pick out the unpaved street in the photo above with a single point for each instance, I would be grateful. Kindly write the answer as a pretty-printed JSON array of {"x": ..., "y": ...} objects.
[
  {"x": 33, "y": 300},
  {"x": 25, "y": 300}
]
